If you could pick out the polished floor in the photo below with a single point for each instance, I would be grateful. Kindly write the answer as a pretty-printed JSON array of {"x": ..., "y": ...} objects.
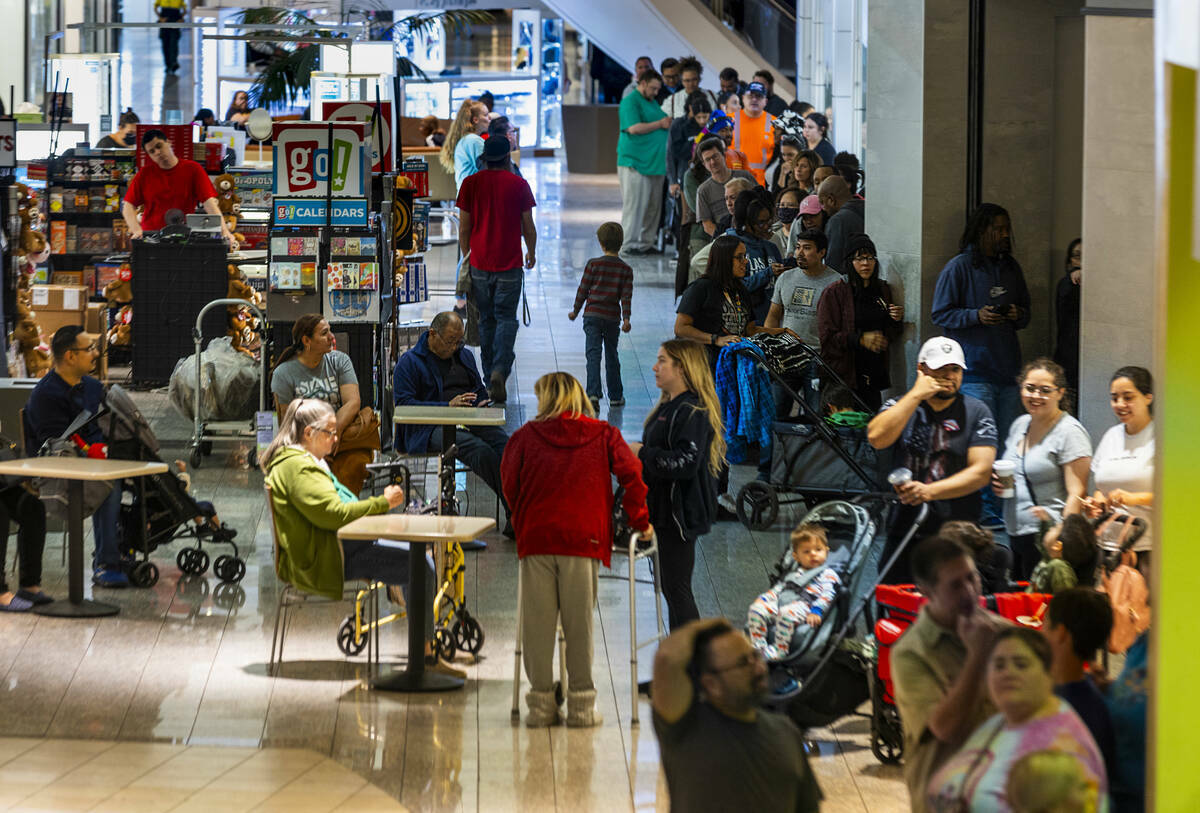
[{"x": 183, "y": 667}]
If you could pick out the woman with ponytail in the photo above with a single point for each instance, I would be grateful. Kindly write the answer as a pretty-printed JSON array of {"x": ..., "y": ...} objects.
[
  {"x": 463, "y": 145},
  {"x": 682, "y": 453}
]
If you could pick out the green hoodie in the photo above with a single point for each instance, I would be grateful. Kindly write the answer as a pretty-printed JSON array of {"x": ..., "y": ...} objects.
[{"x": 308, "y": 512}]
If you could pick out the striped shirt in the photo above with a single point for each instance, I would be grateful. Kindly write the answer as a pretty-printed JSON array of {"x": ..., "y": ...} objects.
[{"x": 607, "y": 287}]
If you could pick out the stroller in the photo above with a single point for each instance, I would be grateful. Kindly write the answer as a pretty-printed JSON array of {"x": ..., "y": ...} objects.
[
  {"x": 833, "y": 665},
  {"x": 162, "y": 510},
  {"x": 810, "y": 458}
]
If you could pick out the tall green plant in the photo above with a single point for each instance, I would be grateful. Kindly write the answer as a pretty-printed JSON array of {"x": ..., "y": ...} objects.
[{"x": 287, "y": 73}]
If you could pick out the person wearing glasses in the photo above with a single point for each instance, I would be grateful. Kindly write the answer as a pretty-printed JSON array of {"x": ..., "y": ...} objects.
[
  {"x": 440, "y": 371},
  {"x": 1053, "y": 456},
  {"x": 857, "y": 320},
  {"x": 720, "y": 749},
  {"x": 64, "y": 392}
]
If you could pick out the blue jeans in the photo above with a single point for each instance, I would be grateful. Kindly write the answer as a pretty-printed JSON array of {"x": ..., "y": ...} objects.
[
  {"x": 497, "y": 295},
  {"x": 602, "y": 334},
  {"x": 1004, "y": 400},
  {"x": 107, "y": 536}
]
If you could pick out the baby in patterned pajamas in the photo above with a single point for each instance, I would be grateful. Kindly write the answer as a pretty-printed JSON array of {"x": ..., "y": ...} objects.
[{"x": 798, "y": 598}]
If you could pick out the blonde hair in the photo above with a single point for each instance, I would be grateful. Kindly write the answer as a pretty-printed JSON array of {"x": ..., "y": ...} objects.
[
  {"x": 809, "y": 530},
  {"x": 301, "y": 414},
  {"x": 460, "y": 128},
  {"x": 1049, "y": 781},
  {"x": 692, "y": 360},
  {"x": 561, "y": 393}
]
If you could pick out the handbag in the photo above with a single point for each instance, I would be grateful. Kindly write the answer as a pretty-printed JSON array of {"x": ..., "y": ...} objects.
[{"x": 9, "y": 451}]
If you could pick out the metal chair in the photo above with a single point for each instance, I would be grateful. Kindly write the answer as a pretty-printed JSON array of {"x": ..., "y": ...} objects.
[
  {"x": 635, "y": 550},
  {"x": 292, "y": 597}
]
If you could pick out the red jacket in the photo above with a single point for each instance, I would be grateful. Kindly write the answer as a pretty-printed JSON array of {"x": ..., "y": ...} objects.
[{"x": 557, "y": 478}]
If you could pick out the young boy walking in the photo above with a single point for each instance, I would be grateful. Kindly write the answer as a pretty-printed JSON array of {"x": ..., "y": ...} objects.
[{"x": 607, "y": 288}]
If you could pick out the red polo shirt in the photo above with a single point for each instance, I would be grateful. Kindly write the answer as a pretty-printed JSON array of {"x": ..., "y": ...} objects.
[{"x": 184, "y": 187}]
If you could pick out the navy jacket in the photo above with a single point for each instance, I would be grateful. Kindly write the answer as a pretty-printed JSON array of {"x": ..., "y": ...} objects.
[
  {"x": 966, "y": 284},
  {"x": 417, "y": 381},
  {"x": 54, "y": 404}
]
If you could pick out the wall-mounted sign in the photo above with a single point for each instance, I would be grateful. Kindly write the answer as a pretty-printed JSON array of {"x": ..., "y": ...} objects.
[
  {"x": 305, "y": 162},
  {"x": 311, "y": 212},
  {"x": 362, "y": 111},
  {"x": 8, "y": 143}
]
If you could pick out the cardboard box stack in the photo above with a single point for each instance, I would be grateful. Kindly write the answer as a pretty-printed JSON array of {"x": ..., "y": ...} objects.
[{"x": 59, "y": 305}]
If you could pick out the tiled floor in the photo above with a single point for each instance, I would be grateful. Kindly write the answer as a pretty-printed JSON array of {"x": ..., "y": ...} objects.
[{"x": 183, "y": 665}]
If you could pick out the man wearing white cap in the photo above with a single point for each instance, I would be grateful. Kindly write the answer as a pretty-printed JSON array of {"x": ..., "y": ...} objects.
[{"x": 945, "y": 438}]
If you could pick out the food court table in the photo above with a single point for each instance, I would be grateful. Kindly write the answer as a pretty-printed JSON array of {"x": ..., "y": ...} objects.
[
  {"x": 77, "y": 470},
  {"x": 449, "y": 418},
  {"x": 417, "y": 530}
]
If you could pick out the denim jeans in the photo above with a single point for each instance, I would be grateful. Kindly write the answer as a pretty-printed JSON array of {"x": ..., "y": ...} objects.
[
  {"x": 602, "y": 334},
  {"x": 497, "y": 295},
  {"x": 1004, "y": 400},
  {"x": 480, "y": 448},
  {"x": 106, "y": 532}
]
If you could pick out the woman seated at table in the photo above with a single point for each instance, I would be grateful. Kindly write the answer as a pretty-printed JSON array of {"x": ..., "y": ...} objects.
[
  {"x": 311, "y": 368},
  {"x": 1031, "y": 719},
  {"x": 17, "y": 503},
  {"x": 311, "y": 505}
]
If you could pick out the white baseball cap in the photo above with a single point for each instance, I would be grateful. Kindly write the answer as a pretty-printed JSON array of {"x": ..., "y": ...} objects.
[{"x": 940, "y": 351}]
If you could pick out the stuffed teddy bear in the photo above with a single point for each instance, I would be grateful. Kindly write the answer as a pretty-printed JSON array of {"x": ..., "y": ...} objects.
[
  {"x": 231, "y": 221},
  {"x": 239, "y": 326},
  {"x": 227, "y": 197},
  {"x": 27, "y": 341},
  {"x": 120, "y": 334},
  {"x": 120, "y": 290}
]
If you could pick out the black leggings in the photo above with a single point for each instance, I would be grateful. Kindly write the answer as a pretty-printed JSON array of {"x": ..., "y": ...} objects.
[
  {"x": 17, "y": 503},
  {"x": 677, "y": 559}
]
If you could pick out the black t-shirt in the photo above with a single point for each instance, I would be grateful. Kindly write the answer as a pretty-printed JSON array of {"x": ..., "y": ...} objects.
[
  {"x": 455, "y": 378},
  {"x": 714, "y": 312},
  {"x": 934, "y": 446},
  {"x": 1089, "y": 704},
  {"x": 714, "y": 762}
]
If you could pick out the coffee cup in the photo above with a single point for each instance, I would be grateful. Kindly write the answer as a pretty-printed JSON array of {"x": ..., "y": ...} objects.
[
  {"x": 899, "y": 477},
  {"x": 1004, "y": 471}
]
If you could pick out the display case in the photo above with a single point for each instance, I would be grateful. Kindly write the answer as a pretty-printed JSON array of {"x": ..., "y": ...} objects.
[{"x": 517, "y": 96}]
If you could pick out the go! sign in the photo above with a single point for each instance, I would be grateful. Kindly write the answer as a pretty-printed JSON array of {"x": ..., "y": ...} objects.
[{"x": 306, "y": 164}]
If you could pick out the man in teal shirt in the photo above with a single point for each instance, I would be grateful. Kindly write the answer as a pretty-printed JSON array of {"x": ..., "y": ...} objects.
[{"x": 642, "y": 163}]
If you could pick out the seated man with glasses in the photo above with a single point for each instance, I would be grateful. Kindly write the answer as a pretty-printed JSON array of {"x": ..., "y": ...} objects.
[
  {"x": 720, "y": 750},
  {"x": 64, "y": 392},
  {"x": 440, "y": 371},
  {"x": 946, "y": 440}
]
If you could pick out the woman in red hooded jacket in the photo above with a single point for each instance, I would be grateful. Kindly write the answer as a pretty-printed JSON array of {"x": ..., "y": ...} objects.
[{"x": 557, "y": 473}]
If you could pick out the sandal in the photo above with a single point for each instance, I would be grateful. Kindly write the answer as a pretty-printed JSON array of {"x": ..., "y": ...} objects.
[
  {"x": 36, "y": 599},
  {"x": 16, "y": 605}
]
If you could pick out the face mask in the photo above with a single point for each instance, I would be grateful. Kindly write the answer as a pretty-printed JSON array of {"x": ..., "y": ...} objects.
[{"x": 786, "y": 214}]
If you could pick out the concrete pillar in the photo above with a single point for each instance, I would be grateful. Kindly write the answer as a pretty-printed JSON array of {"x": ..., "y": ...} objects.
[
  {"x": 1118, "y": 207},
  {"x": 842, "y": 64},
  {"x": 805, "y": 27}
]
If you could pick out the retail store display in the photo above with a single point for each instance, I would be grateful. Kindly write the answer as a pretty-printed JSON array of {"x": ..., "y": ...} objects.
[{"x": 84, "y": 196}]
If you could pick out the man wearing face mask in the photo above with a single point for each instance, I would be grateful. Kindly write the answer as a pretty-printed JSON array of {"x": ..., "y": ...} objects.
[
  {"x": 946, "y": 438},
  {"x": 981, "y": 301}
]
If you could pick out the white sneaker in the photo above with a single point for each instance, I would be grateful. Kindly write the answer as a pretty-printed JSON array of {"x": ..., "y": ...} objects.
[{"x": 726, "y": 502}]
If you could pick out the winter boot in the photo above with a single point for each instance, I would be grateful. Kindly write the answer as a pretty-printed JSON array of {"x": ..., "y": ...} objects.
[
  {"x": 581, "y": 709},
  {"x": 543, "y": 711}
]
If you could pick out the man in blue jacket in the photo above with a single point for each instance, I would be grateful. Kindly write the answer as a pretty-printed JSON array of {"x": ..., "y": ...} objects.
[
  {"x": 981, "y": 302},
  {"x": 440, "y": 371}
]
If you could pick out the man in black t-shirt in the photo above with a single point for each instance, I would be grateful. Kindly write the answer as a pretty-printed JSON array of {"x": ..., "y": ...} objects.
[
  {"x": 945, "y": 438},
  {"x": 440, "y": 371},
  {"x": 720, "y": 750}
]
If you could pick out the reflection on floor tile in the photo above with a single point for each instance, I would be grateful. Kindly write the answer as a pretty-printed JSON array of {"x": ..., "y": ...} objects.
[{"x": 169, "y": 705}]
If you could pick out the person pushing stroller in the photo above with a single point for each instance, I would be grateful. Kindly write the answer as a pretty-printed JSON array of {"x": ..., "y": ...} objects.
[{"x": 802, "y": 595}]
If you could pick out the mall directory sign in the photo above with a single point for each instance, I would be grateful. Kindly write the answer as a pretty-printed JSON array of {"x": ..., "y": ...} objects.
[{"x": 308, "y": 165}]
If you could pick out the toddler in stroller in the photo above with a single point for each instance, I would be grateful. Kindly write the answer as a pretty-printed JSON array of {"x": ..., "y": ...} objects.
[{"x": 796, "y": 602}]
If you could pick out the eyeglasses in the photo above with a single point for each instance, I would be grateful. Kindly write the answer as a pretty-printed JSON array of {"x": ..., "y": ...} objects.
[
  {"x": 333, "y": 433},
  {"x": 89, "y": 349},
  {"x": 739, "y": 258},
  {"x": 1032, "y": 389},
  {"x": 867, "y": 258},
  {"x": 749, "y": 659}
]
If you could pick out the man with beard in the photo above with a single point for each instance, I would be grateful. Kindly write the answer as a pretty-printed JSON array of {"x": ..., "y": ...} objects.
[
  {"x": 981, "y": 302},
  {"x": 938, "y": 665},
  {"x": 946, "y": 438},
  {"x": 720, "y": 750}
]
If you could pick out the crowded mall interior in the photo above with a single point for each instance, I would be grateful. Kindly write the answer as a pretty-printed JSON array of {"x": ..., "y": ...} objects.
[{"x": 697, "y": 405}]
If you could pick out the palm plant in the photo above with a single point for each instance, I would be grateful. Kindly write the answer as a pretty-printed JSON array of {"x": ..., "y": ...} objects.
[{"x": 287, "y": 69}]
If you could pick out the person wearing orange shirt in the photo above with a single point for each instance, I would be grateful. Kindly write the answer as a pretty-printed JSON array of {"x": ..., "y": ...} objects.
[
  {"x": 721, "y": 125},
  {"x": 753, "y": 133}
]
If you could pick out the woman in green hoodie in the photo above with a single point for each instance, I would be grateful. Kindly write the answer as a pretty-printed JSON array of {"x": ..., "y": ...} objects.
[{"x": 310, "y": 505}]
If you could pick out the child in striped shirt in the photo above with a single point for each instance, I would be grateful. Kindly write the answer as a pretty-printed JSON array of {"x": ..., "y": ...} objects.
[{"x": 607, "y": 288}]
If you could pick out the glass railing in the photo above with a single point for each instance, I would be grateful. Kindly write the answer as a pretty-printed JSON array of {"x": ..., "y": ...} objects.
[{"x": 768, "y": 26}]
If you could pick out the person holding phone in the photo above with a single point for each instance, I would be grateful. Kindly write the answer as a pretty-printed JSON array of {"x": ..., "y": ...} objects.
[{"x": 441, "y": 371}]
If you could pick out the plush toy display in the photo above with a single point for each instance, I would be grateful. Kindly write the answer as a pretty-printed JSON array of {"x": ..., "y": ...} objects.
[
  {"x": 242, "y": 322},
  {"x": 27, "y": 343},
  {"x": 120, "y": 291},
  {"x": 120, "y": 334},
  {"x": 231, "y": 222},
  {"x": 227, "y": 197}
]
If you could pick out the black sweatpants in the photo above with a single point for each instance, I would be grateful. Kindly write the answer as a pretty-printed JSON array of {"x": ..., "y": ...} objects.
[
  {"x": 18, "y": 504},
  {"x": 677, "y": 560}
]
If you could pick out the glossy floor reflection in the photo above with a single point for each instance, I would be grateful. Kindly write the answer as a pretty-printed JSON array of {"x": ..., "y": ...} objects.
[{"x": 184, "y": 664}]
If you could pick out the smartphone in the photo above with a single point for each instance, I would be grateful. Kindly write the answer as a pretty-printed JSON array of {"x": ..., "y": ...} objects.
[{"x": 790, "y": 262}]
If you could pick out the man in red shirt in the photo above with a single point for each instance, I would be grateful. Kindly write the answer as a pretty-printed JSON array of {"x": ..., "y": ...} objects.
[
  {"x": 167, "y": 182},
  {"x": 496, "y": 211}
]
